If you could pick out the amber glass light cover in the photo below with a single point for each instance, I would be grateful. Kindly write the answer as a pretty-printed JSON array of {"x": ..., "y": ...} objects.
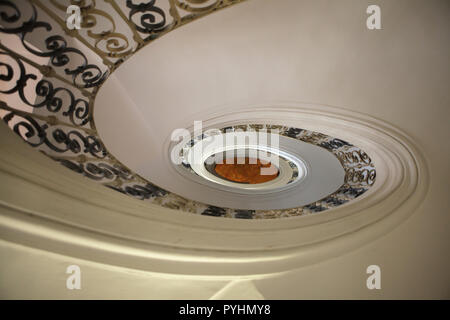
[{"x": 246, "y": 170}]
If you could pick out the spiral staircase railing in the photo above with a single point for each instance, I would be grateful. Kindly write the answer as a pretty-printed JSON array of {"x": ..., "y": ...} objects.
[{"x": 50, "y": 75}]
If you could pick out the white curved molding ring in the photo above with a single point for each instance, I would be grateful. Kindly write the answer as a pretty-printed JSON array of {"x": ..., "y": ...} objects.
[{"x": 109, "y": 226}]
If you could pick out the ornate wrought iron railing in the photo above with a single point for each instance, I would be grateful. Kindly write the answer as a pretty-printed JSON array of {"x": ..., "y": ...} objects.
[{"x": 50, "y": 76}]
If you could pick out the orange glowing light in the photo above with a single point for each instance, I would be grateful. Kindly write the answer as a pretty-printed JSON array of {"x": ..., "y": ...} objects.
[{"x": 247, "y": 170}]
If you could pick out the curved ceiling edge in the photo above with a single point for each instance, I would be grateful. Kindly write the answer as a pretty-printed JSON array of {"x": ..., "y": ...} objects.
[
  {"x": 153, "y": 240},
  {"x": 231, "y": 247}
]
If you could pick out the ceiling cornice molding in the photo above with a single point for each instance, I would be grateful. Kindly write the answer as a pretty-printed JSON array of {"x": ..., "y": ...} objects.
[{"x": 91, "y": 222}]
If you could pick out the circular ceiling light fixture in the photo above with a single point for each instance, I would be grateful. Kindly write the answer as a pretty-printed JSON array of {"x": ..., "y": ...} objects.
[{"x": 243, "y": 167}]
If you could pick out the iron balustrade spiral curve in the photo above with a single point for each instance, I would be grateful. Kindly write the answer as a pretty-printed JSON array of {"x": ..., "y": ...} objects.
[{"x": 50, "y": 105}]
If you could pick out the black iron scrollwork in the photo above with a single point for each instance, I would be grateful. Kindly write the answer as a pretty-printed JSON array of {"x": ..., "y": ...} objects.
[
  {"x": 354, "y": 157},
  {"x": 334, "y": 144},
  {"x": 214, "y": 211},
  {"x": 96, "y": 171},
  {"x": 141, "y": 192},
  {"x": 37, "y": 134},
  {"x": 367, "y": 176},
  {"x": 83, "y": 75},
  {"x": 152, "y": 19},
  {"x": 55, "y": 99}
]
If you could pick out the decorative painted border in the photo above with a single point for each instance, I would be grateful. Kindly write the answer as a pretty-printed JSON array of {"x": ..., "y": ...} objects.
[{"x": 61, "y": 124}]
